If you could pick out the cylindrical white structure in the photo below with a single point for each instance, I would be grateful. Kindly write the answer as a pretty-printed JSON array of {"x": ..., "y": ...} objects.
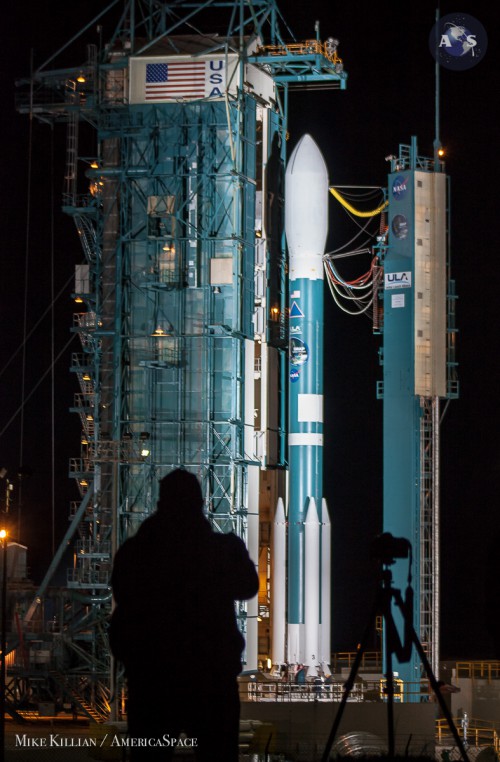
[
  {"x": 326, "y": 572},
  {"x": 252, "y": 638},
  {"x": 306, "y": 210},
  {"x": 278, "y": 593},
  {"x": 306, "y": 225},
  {"x": 312, "y": 589}
]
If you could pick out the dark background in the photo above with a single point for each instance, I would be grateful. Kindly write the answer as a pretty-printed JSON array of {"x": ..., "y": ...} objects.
[{"x": 389, "y": 97}]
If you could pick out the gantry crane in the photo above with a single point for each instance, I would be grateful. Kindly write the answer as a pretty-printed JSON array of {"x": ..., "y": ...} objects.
[{"x": 181, "y": 291}]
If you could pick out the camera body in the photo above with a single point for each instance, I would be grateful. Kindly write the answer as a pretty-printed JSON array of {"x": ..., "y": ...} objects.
[{"x": 386, "y": 548}]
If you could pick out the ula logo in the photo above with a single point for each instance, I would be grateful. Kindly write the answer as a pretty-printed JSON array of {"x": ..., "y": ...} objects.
[
  {"x": 458, "y": 41},
  {"x": 398, "y": 280}
]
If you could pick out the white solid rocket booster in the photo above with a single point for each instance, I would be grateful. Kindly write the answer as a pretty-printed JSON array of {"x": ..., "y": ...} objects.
[
  {"x": 279, "y": 585},
  {"x": 326, "y": 586},
  {"x": 312, "y": 588}
]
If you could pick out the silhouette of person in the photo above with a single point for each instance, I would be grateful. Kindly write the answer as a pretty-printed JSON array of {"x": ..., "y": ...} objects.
[{"x": 174, "y": 627}]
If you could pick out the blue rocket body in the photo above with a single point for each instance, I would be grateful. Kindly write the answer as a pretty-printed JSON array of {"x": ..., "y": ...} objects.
[
  {"x": 305, "y": 430},
  {"x": 306, "y": 215}
]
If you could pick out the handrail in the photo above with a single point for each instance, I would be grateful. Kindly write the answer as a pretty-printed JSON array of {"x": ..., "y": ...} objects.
[
  {"x": 479, "y": 732},
  {"x": 478, "y": 669},
  {"x": 308, "y": 47}
]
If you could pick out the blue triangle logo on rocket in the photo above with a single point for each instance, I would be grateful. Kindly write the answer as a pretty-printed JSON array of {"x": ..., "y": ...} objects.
[{"x": 295, "y": 311}]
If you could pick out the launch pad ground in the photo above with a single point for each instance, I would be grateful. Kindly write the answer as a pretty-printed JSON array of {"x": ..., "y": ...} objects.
[
  {"x": 293, "y": 725},
  {"x": 60, "y": 738},
  {"x": 53, "y": 738},
  {"x": 301, "y": 730}
]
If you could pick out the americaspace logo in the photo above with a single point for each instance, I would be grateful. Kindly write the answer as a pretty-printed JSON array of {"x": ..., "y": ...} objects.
[{"x": 458, "y": 41}]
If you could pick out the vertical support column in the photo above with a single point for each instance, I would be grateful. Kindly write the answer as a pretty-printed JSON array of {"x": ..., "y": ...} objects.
[
  {"x": 402, "y": 410},
  {"x": 414, "y": 380},
  {"x": 436, "y": 571},
  {"x": 252, "y": 645}
]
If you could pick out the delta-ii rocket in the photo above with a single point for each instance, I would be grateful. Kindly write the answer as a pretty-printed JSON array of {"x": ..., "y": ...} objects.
[{"x": 308, "y": 562}]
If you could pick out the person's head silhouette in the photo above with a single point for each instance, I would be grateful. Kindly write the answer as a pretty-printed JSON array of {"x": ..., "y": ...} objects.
[{"x": 180, "y": 491}]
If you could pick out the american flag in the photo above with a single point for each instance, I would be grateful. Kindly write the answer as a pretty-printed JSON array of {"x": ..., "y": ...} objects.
[{"x": 181, "y": 79}]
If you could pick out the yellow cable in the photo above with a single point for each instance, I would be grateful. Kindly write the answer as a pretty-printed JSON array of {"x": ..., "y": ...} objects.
[{"x": 351, "y": 209}]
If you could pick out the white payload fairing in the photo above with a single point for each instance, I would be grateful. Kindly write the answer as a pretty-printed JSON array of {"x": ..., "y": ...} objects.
[{"x": 308, "y": 560}]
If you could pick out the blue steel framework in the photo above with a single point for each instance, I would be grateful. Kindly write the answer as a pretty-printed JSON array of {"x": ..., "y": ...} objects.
[
  {"x": 183, "y": 331},
  {"x": 419, "y": 370}
]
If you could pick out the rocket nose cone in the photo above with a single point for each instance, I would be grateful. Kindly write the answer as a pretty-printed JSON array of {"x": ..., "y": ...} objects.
[
  {"x": 279, "y": 516},
  {"x": 306, "y": 157},
  {"x": 306, "y": 206}
]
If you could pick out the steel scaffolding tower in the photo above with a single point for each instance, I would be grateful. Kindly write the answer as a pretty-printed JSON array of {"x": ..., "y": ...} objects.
[{"x": 182, "y": 289}]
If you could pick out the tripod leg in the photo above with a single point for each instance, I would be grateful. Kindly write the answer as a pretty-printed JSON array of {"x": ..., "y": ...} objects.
[
  {"x": 349, "y": 685},
  {"x": 434, "y": 684},
  {"x": 390, "y": 695}
]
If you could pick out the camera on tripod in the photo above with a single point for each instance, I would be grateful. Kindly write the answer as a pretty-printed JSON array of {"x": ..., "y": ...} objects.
[
  {"x": 398, "y": 640},
  {"x": 386, "y": 548}
]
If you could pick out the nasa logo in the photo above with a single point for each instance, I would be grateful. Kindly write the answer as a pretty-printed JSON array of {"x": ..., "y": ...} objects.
[
  {"x": 294, "y": 375},
  {"x": 458, "y": 41},
  {"x": 399, "y": 187}
]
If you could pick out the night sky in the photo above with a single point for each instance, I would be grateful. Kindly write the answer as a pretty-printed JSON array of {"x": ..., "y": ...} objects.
[{"x": 389, "y": 98}]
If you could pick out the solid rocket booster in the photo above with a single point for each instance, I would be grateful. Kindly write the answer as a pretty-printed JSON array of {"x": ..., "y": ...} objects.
[
  {"x": 306, "y": 223},
  {"x": 279, "y": 585},
  {"x": 312, "y": 586},
  {"x": 325, "y": 632}
]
